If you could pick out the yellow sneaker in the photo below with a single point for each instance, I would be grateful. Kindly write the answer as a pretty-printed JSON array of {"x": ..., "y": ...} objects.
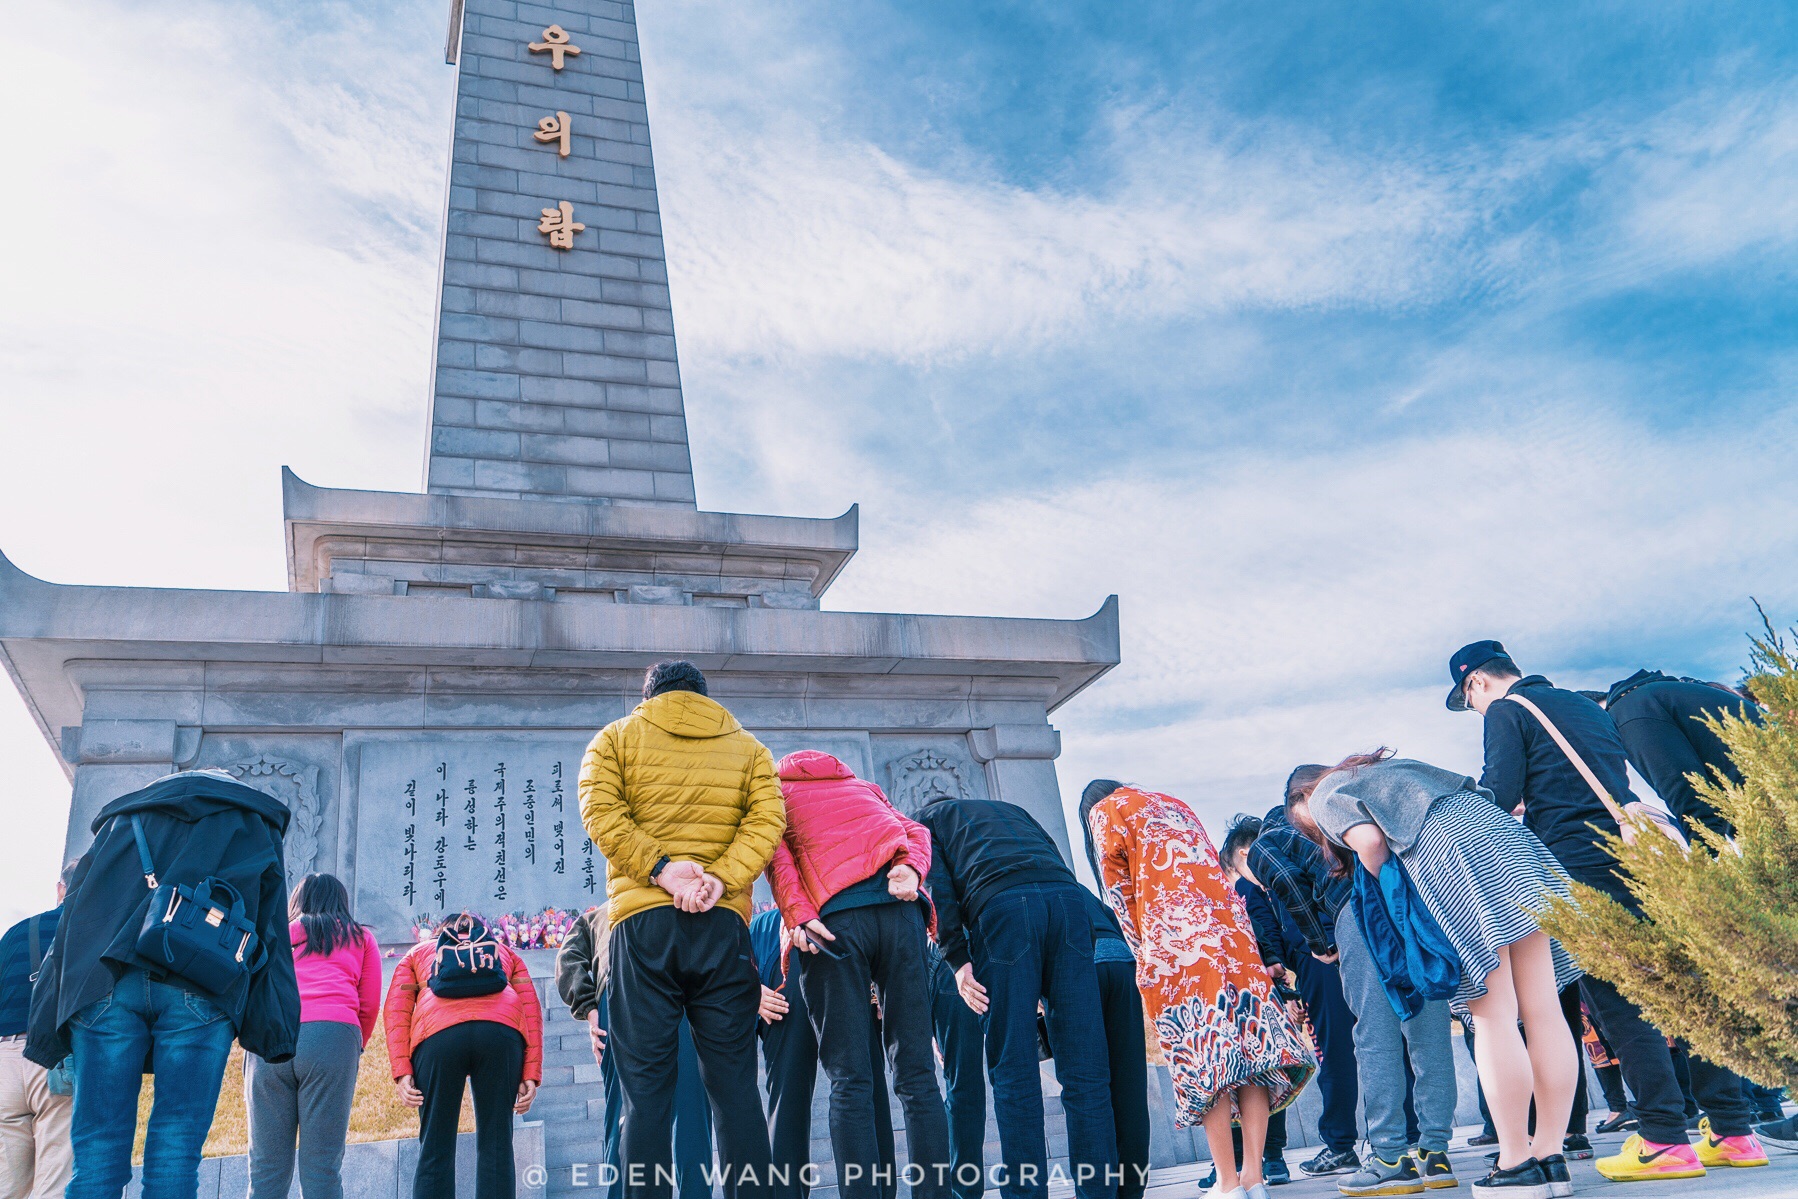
[
  {"x": 1642, "y": 1161},
  {"x": 1714, "y": 1150}
]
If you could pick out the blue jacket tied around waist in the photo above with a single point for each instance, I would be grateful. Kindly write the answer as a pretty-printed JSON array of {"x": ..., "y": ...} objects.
[{"x": 1410, "y": 950}]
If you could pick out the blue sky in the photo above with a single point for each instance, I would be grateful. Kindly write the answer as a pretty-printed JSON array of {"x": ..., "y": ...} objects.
[{"x": 1328, "y": 336}]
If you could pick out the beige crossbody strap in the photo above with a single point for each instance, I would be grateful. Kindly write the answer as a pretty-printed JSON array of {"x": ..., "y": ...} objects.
[{"x": 1579, "y": 763}]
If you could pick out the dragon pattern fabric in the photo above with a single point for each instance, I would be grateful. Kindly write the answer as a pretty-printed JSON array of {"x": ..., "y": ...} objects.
[{"x": 1201, "y": 977}]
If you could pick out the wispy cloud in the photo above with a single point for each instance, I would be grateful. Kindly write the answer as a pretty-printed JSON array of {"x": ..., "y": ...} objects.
[
  {"x": 791, "y": 243},
  {"x": 224, "y": 255}
]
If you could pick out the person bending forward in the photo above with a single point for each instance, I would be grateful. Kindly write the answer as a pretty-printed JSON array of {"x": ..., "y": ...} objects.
[{"x": 1231, "y": 1049}]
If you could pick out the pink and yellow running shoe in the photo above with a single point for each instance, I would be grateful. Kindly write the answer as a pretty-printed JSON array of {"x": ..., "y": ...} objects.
[
  {"x": 1645, "y": 1161},
  {"x": 1714, "y": 1150}
]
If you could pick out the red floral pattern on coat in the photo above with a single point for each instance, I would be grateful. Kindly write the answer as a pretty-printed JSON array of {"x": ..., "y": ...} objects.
[{"x": 1201, "y": 977}]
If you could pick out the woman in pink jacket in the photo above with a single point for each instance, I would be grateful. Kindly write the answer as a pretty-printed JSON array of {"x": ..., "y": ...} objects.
[
  {"x": 848, "y": 880},
  {"x": 338, "y": 967}
]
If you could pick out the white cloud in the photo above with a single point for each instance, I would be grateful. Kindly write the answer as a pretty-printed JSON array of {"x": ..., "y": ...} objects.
[
  {"x": 223, "y": 233},
  {"x": 1712, "y": 177},
  {"x": 786, "y": 241}
]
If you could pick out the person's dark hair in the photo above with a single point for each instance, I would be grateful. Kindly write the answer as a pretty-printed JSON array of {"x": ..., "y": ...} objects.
[
  {"x": 1095, "y": 791},
  {"x": 1298, "y": 804},
  {"x": 1238, "y": 837},
  {"x": 68, "y": 872},
  {"x": 322, "y": 907},
  {"x": 1500, "y": 667},
  {"x": 1303, "y": 780},
  {"x": 672, "y": 676}
]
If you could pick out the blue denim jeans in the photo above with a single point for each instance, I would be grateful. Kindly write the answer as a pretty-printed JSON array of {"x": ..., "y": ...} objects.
[
  {"x": 959, "y": 1036},
  {"x": 1034, "y": 942},
  {"x": 145, "y": 1027}
]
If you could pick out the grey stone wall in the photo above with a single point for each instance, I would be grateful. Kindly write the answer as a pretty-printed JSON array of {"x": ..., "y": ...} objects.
[{"x": 555, "y": 374}]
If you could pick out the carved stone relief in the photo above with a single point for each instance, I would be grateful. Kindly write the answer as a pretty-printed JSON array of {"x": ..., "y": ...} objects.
[
  {"x": 295, "y": 785},
  {"x": 927, "y": 775}
]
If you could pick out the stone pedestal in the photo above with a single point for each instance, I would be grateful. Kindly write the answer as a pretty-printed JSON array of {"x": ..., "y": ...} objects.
[{"x": 428, "y": 736}]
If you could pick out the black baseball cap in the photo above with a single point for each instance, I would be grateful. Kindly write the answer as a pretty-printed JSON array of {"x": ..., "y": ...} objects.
[{"x": 1467, "y": 659}]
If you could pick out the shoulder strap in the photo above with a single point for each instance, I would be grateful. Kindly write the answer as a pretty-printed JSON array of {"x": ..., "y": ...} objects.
[
  {"x": 143, "y": 853},
  {"x": 35, "y": 939},
  {"x": 1573, "y": 756}
]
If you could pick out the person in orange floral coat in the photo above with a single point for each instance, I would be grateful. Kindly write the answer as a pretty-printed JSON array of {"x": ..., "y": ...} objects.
[{"x": 1230, "y": 1046}]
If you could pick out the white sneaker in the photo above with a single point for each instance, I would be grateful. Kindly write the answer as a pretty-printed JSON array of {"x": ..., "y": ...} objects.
[{"x": 1259, "y": 1191}]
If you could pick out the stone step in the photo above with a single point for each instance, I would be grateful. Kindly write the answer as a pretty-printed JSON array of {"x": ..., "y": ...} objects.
[{"x": 554, "y": 1106}]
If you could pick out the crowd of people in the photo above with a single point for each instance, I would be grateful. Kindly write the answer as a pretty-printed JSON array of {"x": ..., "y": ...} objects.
[{"x": 1338, "y": 939}]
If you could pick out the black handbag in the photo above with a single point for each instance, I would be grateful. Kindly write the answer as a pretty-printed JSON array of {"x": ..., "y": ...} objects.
[
  {"x": 468, "y": 962},
  {"x": 199, "y": 933}
]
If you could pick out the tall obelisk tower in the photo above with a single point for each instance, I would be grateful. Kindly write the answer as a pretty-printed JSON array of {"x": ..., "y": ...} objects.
[{"x": 555, "y": 375}]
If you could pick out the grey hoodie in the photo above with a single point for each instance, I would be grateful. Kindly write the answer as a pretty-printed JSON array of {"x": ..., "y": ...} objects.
[{"x": 1395, "y": 795}]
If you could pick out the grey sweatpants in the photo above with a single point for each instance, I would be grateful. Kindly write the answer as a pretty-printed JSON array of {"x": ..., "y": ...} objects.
[
  {"x": 308, "y": 1097},
  {"x": 1381, "y": 1042}
]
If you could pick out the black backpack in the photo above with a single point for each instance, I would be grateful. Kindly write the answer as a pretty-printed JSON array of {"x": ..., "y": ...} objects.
[{"x": 468, "y": 962}]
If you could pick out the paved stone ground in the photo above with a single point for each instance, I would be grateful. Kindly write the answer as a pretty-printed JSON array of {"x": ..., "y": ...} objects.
[{"x": 1776, "y": 1180}]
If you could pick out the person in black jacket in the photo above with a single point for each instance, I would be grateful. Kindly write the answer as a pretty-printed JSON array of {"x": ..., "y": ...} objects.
[
  {"x": 584, "y": 983},
  {"x": 1271, "y": 943},
  {"x": 1662, "y": 723},
  {"x": 1126, "y": 1047},
  {"x": 790, "y": 1071},
  {"x": 962, "y": 1043},
  {"x": 1290, "y": 868},
  {"x": 1528, "y": 772},
  {"x": 120, "y": 1013},
  {"x": 1012, "y": 922},
  {"x": 34, "y": 1107}
]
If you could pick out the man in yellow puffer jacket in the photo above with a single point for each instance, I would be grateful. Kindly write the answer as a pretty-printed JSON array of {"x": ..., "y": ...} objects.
[{"x": 686, "y": 807}]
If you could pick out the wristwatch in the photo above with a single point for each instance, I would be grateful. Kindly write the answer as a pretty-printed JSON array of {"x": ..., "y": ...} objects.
[{"x": 654, "y": 871}]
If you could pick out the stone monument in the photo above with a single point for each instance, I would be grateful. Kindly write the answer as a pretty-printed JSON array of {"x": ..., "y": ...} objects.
[{"x": 421, "y": 694}]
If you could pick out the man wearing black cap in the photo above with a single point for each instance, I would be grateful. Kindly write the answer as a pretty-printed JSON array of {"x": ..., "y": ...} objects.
[{"x": 1528, "y": 771}]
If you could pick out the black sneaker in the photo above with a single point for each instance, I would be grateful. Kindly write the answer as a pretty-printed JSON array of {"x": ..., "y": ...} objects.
[
  {"x": 1274, "y": 1172},
  {"x": 1780, "y": 1134},
  {"x": 1209, "y": 1181},
  {"x": 1623, "y": 1121},
  {"x": 1437, "y": 1172},
  {"x": 1484, "y": 1138},
  {"x": 1576, "y": 1147},
  {"x": 1331, "y": 1162},
  {"x": 1560, "y": 1182},
  {"x": 1523, "y": 1181}
]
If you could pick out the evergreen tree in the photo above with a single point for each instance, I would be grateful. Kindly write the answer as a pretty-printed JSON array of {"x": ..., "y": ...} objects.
[{"x": 1714, "y": 957}]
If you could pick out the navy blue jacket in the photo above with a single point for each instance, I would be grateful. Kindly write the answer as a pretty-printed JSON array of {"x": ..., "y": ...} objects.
[
  {"x": 979, "y": 848},
  {"x": 1661, "y": 721},
  {"x": 18, "y": 971},
  {"x": 1295, "y": 872},
  {"x": 198, "y": 825},
  {"x": 1264, "y": 922},
  {"x": 1525, "y": 766}
]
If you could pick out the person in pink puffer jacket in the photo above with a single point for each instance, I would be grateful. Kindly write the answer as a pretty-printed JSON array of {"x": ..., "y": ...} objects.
[{"x": 848, "y": 877}]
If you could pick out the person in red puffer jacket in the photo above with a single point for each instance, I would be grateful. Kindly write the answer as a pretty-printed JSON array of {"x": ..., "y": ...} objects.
[
  {"x": 848, "y": 877},
  {"x": 489, "y": 1044}
]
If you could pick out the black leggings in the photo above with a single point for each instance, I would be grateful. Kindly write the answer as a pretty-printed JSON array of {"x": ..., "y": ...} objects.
[{"x": 490, "y": 1058}]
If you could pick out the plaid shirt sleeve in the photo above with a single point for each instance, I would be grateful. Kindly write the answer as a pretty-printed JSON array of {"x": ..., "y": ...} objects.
[{"x": 1269, "y": 862}]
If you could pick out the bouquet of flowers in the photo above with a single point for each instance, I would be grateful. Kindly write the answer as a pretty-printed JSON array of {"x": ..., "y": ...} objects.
[
  {"x": 521, "y": 930},
  {"x": 536, "y": 930}
]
